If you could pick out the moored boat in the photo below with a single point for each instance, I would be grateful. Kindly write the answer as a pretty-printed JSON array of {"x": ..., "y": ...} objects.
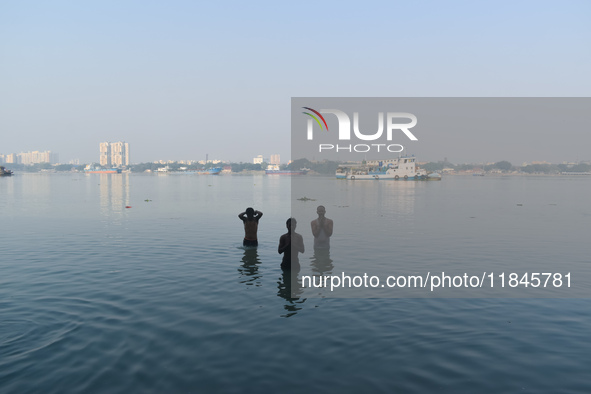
[
  {"x": 185, "y": 171},
  {"x": 274, "y": 169},
  {"x": 403, "y": 168},
  {"x": 210, "y": 171},
  {"x": 5, "y": 172},
  {"x": 99, "y": 170}
]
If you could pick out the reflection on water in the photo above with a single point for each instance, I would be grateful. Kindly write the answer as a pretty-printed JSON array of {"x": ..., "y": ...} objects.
[
  {"x": 398, "y": 196},
  {"x": 290, "y": 288},
  {"x": 38, "y": 185},
  {"x": 24, "y": 184},
  {"x": 321, "y": 262},
  {"x": 7, "y": 185},
  {"x": 114, "y": 194},
  {"x": 385, "y": 196},
  {"x": 249, "y": 270}
]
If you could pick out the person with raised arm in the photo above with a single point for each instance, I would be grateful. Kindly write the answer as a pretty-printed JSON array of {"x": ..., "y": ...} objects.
[{"x": 250, "y": 218}]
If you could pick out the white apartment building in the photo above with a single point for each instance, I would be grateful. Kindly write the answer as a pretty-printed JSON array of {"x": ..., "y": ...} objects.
[{"x": 114, "y": 154}]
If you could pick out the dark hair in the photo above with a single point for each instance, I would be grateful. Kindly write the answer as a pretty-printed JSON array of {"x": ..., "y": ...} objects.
[
  {"x": 290, "y": 221},
  {"x": 249, "y": 211}
]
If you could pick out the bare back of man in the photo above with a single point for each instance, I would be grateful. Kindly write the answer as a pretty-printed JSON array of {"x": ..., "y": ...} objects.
[{"x": 250, "y": 218}]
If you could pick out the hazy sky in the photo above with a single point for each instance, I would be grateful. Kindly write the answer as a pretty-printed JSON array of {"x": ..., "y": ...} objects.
[{"x": 179, "y": 79}]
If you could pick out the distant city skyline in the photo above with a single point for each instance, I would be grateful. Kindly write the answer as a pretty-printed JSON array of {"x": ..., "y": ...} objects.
[
  {"x": 268, "y": 158},
  {"x": 30, "y": 157},
  {"x": 123, "y": 158}
]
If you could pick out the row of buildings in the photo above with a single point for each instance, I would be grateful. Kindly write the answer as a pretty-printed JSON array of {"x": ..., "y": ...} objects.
[
  {"x": 111, "y": 154},
  {"x": 274, "y": 159},
  {"x": 34, "y": 157}
]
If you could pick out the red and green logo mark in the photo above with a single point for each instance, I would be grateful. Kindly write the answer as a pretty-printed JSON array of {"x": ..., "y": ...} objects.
[{"x": 315, "y": 118}]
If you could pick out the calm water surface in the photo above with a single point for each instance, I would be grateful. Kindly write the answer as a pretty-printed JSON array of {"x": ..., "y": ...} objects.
[{"x": 160, "y": 297}]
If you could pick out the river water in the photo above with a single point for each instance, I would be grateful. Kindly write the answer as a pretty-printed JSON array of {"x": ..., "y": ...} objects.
[{"x": 161, "y": 297}]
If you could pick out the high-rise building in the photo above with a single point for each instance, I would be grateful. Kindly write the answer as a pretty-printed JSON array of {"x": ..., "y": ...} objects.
[
  {"x": 258, "y": 159},
  {"x": 114, "y": 154},
  {"x": 275, "y": 159},
  {"x": 119, "y": 154},
  {"x": 105, "y": 154},
  {"x": 35, "y": 157}
]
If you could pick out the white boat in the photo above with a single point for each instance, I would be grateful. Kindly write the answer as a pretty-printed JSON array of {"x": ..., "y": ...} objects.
[
  {"x": 274, "y": 169},
  {"x": 403, "y": 168}
]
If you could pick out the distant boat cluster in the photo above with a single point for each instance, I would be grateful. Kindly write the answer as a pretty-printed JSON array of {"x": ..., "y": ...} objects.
[{"x": 163, "y": 170}]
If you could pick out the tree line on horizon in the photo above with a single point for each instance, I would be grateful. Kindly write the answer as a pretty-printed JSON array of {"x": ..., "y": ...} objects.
[
  {"x": 325, "y": 167},
  {"x": 329, "y": 167},
  {"x": 505, "y": 166}
]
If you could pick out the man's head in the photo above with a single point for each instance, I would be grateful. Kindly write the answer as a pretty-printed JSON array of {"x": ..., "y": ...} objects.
[
  {"x": 249, "y": 212},
  {"x": 320, "y": 210},
  {"x": 291, "y": 224}
]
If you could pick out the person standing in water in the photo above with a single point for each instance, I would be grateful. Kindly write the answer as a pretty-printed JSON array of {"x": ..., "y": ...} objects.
[
  {"x": 285, "y": 246},
  {"x": 250, "y": 218},
  {"x": 321, "y": 229}
]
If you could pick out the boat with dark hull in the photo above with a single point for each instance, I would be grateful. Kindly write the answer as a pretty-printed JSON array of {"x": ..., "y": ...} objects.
[{"x": 5, "y": 172}]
